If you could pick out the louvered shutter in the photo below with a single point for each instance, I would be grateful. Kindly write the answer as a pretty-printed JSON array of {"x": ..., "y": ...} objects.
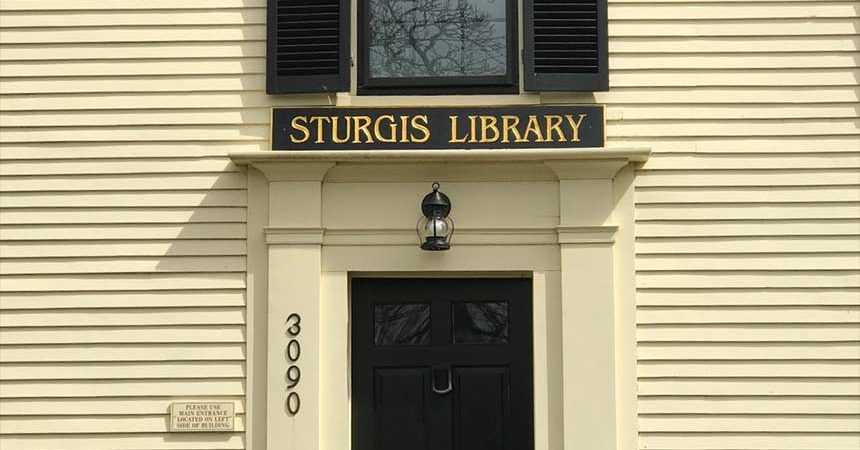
[
  {"x": 308, "y": 46},
  {"x": 565, "y": 45}
]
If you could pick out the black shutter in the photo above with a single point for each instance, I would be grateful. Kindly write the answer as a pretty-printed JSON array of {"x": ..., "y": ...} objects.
[
  {"x": 565, "y": 45},
  {"x": 308, "y": 46}
]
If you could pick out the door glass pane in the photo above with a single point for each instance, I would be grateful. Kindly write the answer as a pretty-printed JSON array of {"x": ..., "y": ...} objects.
[
  {"x": 480, "y": 322},
  {"x": 401, "y": 324},
  {"x": 437, "y": 38}
]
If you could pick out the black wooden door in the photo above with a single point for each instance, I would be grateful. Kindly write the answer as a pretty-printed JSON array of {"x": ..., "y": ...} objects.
[{"x": 442, "y": 364}]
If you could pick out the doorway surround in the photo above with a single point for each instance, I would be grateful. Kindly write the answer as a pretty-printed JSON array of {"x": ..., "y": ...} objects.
[{"x": 564, "y": 218}]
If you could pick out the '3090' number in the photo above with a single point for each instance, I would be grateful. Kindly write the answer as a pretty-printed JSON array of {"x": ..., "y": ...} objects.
[{"x": 294, "y": 373}]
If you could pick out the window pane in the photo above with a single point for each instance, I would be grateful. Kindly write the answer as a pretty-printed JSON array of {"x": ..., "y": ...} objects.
[
  {"x": 481, "y": 322},
  {"x": 401, "y": 324},
  {"x": 437, "y": 38}
]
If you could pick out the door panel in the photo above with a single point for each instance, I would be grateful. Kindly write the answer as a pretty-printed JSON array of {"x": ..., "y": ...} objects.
[
  {"x": 481, "y": 408},
  {"x": 400, "y": 408},
  {"x": 413, "y": 338}
]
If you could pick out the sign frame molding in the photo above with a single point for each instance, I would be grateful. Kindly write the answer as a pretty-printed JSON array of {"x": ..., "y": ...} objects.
[{"x": 504, "y": 140}]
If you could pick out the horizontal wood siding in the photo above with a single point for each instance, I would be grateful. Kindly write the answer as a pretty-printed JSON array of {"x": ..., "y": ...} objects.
[
  {"x": 748, "y": 219},
  {"x": 122, "y": 242}
]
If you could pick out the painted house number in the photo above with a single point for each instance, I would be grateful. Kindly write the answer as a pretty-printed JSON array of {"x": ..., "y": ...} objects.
[{"x": 293, "y": 353}]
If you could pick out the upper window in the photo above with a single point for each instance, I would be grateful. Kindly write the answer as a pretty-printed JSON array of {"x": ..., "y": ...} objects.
[
  {"x": 437, "y": 46},
  {"x": 425, "y": 45}
]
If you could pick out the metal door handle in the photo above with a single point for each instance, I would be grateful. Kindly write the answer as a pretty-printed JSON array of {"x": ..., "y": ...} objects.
[{"x": 441, "y": 391}]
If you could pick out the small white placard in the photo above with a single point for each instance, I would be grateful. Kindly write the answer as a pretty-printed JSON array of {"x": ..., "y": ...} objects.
[{"x": 201, "y": 417}]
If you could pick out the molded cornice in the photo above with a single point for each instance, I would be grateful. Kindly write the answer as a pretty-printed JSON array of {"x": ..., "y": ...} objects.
[{"x": 565, "y": 163}]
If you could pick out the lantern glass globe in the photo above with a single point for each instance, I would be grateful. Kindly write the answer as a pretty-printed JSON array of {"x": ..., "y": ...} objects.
[{"x": 435, "y": 227}]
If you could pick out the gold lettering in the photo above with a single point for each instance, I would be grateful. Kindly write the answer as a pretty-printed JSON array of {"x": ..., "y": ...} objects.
[
  {"x": 403, "y": 127},
  {"x": 510, "y": 124},
  {"x": 533, "y": 127},
  {"x": 295, "y": 124},
  {"x": 420, "y": 122},
  {"x": 488, "y": 123},
  {"x": 334, "y": 125},
  {"x": 454, "y": 139},
  {"x": 553, "y": 123},
  {"x": 320, "y": 129},
  {"x": 574, "y": 125},
  {"x": 473, "y": 136},
  {"x": 362, "y": 125},
  {"x": 392, "y": 137}
]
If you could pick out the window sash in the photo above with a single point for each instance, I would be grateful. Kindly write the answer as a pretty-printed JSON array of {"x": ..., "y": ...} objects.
[{"x": 442, "y": 84}]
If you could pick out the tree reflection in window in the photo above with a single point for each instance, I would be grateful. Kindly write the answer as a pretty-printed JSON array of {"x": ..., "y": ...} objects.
[
  {"x": 403, "y": 324},
  {"x": 437, "y": 38},
  {"x": 481, "y": 322}
]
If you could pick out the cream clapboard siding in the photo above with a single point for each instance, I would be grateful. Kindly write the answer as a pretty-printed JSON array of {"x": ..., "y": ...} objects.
[
  {"x": 748, "y": 219},
  {"x": 123, "y": 222}
]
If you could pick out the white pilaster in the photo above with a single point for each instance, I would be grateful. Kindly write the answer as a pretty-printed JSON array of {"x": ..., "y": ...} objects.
[
  {"x": 294, "y": 238},
  {"x": 588, "y": 344}
]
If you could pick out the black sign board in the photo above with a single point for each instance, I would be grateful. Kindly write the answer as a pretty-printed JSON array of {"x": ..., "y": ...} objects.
[{"x": 437, "y": 128}]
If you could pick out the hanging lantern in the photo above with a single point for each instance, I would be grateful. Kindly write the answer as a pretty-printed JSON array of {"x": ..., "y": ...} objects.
[{"x": 435, "y": 228}]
